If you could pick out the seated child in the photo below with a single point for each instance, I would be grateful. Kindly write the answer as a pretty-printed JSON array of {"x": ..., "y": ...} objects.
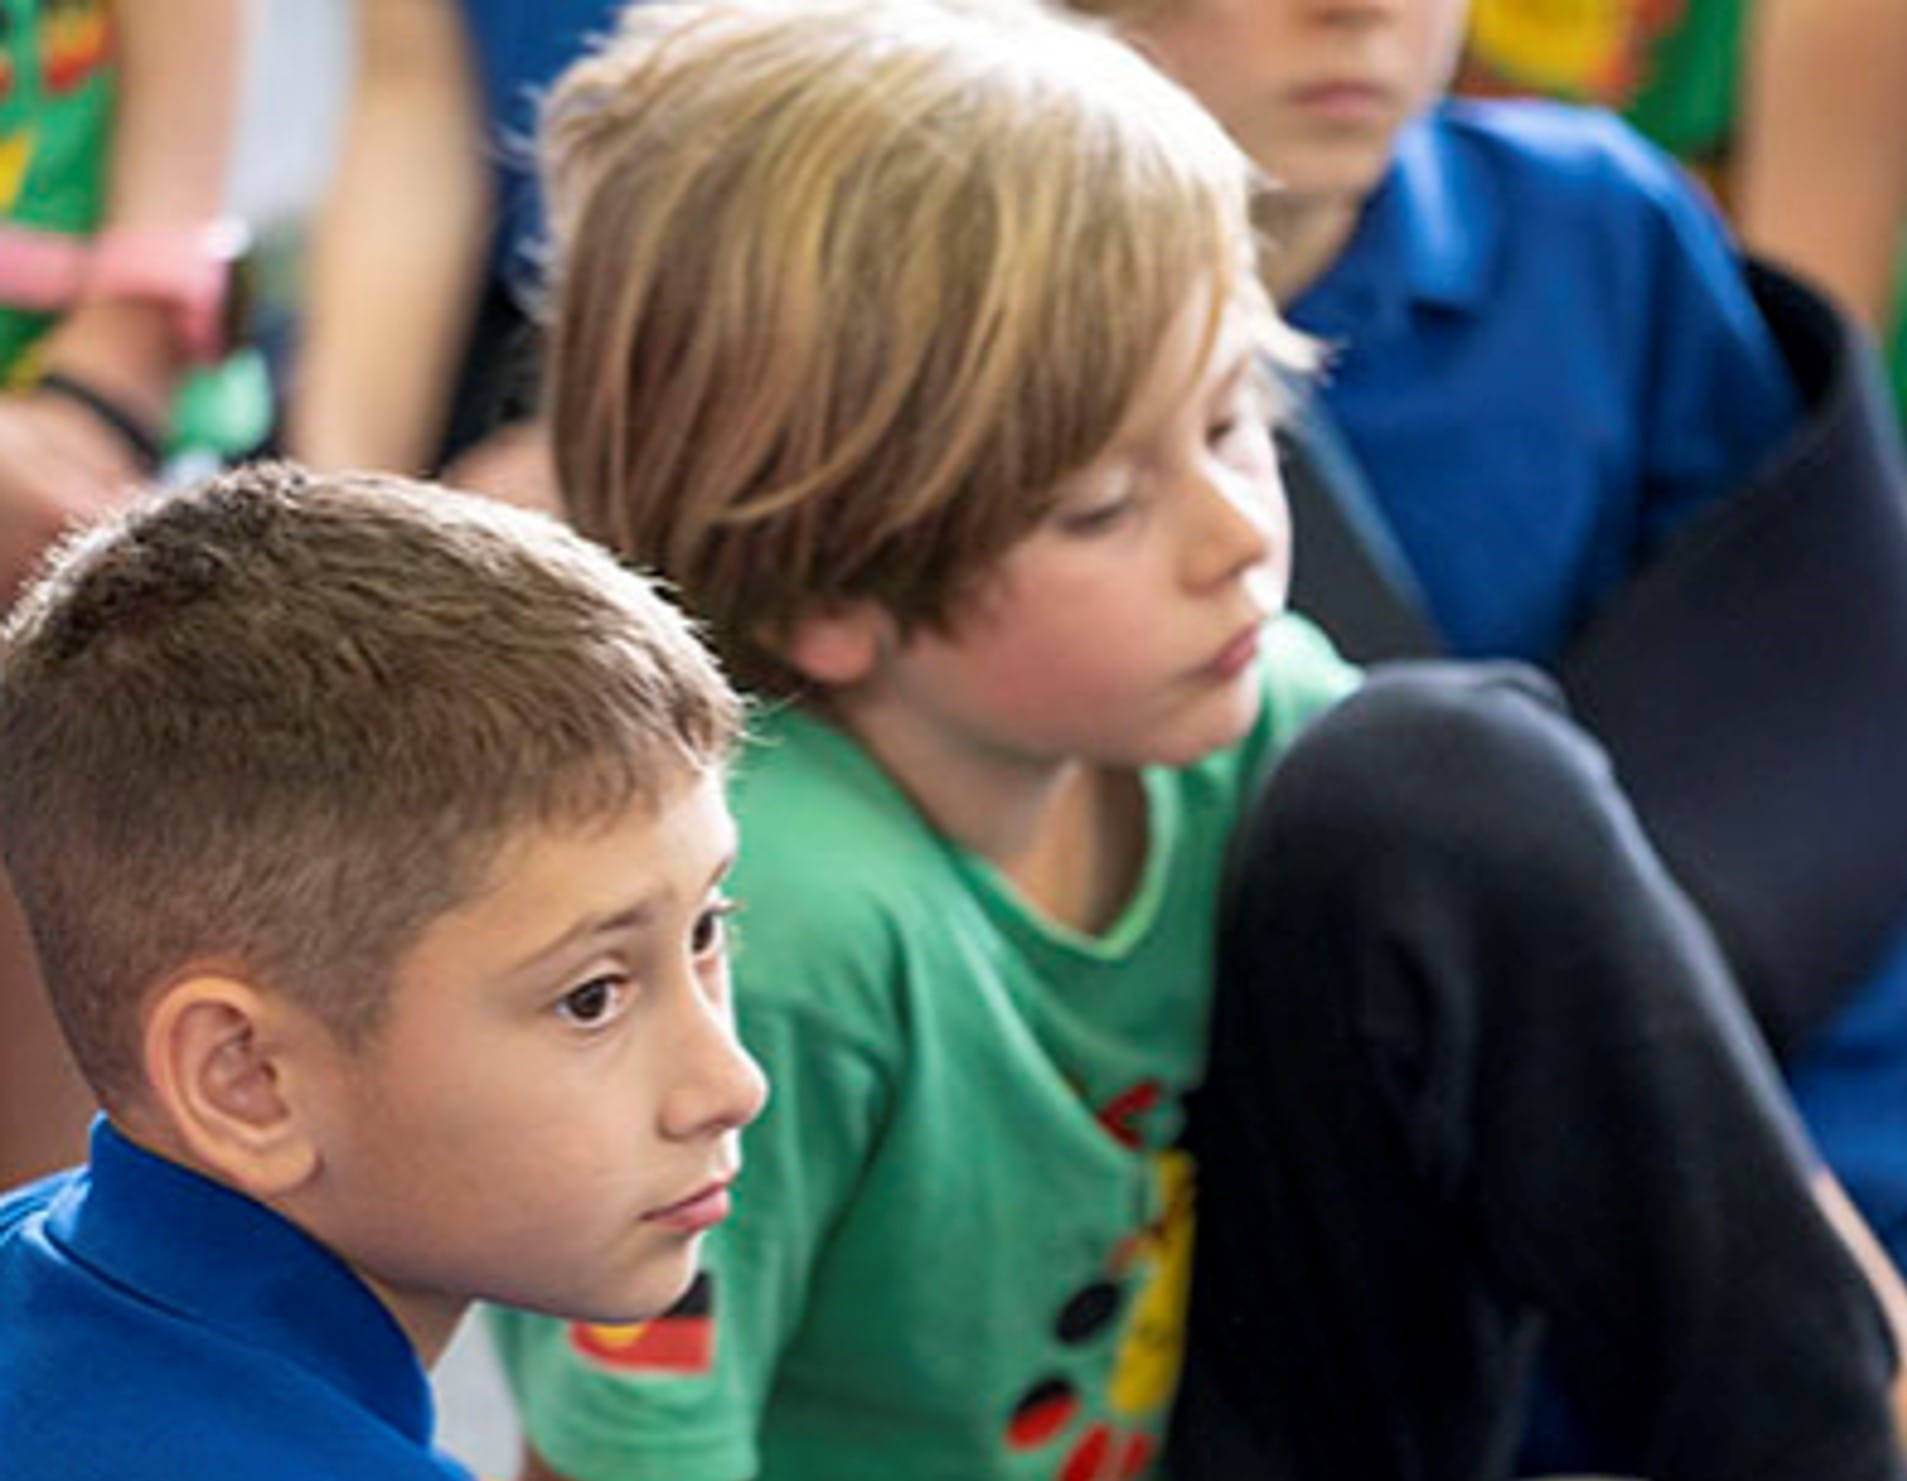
[
  {"x": 920, "y": 345},
  {"x": 1547, "y": 362},
  {"x": 373, "y": 841}
]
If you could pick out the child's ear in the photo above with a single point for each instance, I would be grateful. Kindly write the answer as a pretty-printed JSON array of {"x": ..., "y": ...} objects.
[
  {"x": 219, "y": 1061},
  {"x": 839, "y": 646}
]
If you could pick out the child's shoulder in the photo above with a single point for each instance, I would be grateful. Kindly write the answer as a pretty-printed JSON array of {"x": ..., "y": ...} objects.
[
  {"x": 22, "y": 1204},
  {"x": 839, "y": 876},
  {"x": 814, "y": 806},
  {"x": 1535, "y": 151}
]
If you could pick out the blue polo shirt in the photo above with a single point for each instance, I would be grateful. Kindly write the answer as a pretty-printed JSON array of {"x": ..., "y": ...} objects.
[
  {"x": 1546, "y": 360},
  {"x": 156, "y": 1324}
]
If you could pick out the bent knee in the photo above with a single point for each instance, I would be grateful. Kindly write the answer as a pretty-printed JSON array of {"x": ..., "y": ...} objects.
[{"x": 1458, "y": 762}]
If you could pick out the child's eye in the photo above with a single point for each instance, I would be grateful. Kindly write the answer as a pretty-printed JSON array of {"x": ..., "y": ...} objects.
[
  {"x": 594, "y": 1002},
  {"x": 710, "y": 932},
  {"x": 1243, "y": 433},
  {"x": 1096, "y": 519}
]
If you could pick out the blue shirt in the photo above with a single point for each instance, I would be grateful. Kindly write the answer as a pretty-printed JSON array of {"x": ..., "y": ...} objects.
[
  {"x": 520, "y": 47},
  {"x": 1546, "y": 358},
  {"x": 156, "y": 1324},
  {"x": 1547, "y": 361}
]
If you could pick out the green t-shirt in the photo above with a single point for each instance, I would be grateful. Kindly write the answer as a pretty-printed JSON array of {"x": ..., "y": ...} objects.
[
  {"x": 1669, "y": 65},
  {"x": 960, "y": 1239},
  {"x": 56, "y": 98}
]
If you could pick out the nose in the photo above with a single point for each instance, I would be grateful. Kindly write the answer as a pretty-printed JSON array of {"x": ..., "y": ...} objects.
[
  {"x": 1242, "y": 524},
  {"x": 716, "y": 1084}
]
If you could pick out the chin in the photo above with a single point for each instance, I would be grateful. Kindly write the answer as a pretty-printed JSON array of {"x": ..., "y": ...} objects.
[
  {"x": 664, "y": 1283},
  {"x": 1195, "y": 745},
  {"x": 616, "y": 1300},
  {"x": 1339, "y": 176}
]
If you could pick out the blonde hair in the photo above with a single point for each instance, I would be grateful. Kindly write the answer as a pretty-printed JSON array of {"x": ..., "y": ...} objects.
[
  {"x": 280, "y": 723},
  {"x": 844, "y": 290}
]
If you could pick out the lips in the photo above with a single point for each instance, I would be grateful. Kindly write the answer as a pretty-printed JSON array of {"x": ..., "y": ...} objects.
[
  {"x": 1237, "y": 655},
  {"x": 701, "y": 1210},
  {"x": 1344, "y": 100}
]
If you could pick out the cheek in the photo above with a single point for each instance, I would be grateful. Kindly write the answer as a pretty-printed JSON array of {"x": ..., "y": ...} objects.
[
  {"x": 1086, "y": 684},
  {"x": 1226, "y": 56},
  {"x": 1081, "y": 638},
  {"x": 1438, "y": 40}
]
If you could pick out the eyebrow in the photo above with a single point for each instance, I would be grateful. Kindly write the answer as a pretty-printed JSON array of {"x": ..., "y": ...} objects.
[
  {"x": 636, "y": 916},
  {"x": 1204, "y": 390}
]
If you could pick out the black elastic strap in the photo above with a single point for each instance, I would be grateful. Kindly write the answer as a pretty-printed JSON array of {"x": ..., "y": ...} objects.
[{"x": 132, "y": 430}]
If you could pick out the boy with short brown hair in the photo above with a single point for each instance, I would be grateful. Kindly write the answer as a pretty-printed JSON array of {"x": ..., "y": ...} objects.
[{"x": 372, "y": 838}]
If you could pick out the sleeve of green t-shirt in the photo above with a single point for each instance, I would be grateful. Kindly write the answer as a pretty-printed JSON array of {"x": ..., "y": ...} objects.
[{"x": 596, "y": 1420}]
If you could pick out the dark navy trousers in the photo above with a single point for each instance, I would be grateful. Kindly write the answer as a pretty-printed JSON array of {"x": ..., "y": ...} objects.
[{"x": 1480, "y": 1087}]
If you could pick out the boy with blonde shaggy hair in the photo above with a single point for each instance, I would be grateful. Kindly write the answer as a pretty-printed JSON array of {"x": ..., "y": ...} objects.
[
  {"x": 922, "y": 347},
  {"x": 372, "y": 839}
]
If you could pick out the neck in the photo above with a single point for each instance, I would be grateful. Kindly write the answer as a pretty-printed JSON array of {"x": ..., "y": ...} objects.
[
  {"x": 1069, "y": 834},
  {"x": 430, "y": 1323},
  {"x": 1304, "y": 238}
]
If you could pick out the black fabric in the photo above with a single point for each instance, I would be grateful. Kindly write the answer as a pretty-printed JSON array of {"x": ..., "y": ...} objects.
[
  {"x": 1751, "y": 686},
  {"x": 1334, "y": 578},
  {"x": 498, "y": 377},
  {"x": 1478, "y": 1071},
  {"x": 1337, "y": 579},
  {"x": 1750, "y": 681}
]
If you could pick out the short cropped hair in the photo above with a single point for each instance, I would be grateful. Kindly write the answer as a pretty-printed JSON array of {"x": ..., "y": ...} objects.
[
  {"x": 844, "y": 290},
  {"x": 278, "y": 723}
]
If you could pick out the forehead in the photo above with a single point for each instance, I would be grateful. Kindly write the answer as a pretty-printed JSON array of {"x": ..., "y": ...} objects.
[
  {"x": 644, "y": 861},
  {"x": 1208, "y": 339}
]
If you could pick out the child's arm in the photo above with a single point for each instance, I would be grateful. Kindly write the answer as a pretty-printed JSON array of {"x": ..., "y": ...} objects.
[
  {"x": 176, "y": 95},
  {"x": 1822, "y": 186},
  {"x": 178, "y": 64},
  {"x": 1889, "y": 1290},
  {"x": 399, "y": 246}
]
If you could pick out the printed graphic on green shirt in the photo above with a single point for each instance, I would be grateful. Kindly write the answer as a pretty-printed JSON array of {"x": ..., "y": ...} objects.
[
  {"x": 1145, "y": 1277},
  {"x": 1585, "y": 51},
  {"x": 681, "y": 1340},
  {"x": 55, "y": 118},
  {"x": 1671, "y": 67}
]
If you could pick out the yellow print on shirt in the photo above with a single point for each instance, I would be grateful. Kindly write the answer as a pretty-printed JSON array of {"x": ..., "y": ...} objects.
[
  {"x": 1147, "y": 1369},
  {"x": 1140, "y": 1292},
  {"x": 16, "y": 153},
  {"x": 1587, "y": 51},
  {"x": 75, "y": 43}
]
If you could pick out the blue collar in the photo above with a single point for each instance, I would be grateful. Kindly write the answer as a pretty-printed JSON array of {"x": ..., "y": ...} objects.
[
  {"x": 191, "y": 1246},
  {"x": 1428, "y": 236}
]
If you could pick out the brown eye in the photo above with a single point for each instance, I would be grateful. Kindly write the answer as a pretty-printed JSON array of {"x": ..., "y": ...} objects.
[
  {"x": 591, "y": 1002},
  {"x": 1097, "y": 519},
  {"x": 710, "y": 932}
]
